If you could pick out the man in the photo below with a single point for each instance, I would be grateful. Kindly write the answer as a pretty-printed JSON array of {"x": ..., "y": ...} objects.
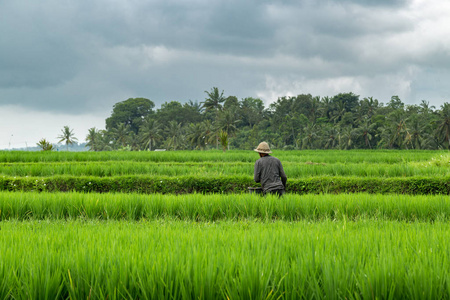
[{"x": 269, "y": 171}]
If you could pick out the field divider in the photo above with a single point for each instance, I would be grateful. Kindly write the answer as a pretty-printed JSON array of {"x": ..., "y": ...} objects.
[{"x": 225, "y": 184}]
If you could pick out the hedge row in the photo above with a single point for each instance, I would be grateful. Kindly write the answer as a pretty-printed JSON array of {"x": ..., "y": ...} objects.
[{"x": 225, "y": 184}]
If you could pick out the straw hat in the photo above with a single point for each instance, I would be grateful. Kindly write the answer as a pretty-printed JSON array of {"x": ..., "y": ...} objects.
[{"x": 263, "y": 148}]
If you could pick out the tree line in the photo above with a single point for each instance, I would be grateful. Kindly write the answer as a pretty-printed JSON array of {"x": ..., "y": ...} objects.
[{"x": 343, "y": 121}]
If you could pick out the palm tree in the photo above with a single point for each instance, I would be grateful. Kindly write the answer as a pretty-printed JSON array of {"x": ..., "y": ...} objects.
[
  {"x": 67, "y": 136},
  {"x": 366, "y": 130},
  {"x": 214, "y": 100},
  {"x": 227, "y": 121},
  {"x": 133, "y": 141},
  {"x": 443, "y": 129},
  {"x": 173, "y": 131},
  {"x": 196, "y": 135},
  {"x": 331, "y": 137},
  {"x": 418, "y": 136},
  {"x": 327, "y": 107},
  {"x": 210, "y": 132},
  {"x": 120, "y": 134},
  {"x": 371, "y": 105},
  {"x": 425, "y": 107},
  {"x": 311, "y": 134},
  {"x": 314, "y": 109},
  {"x": 150, "y": 132},
  {"x": 395, "y": 133},
  {"x": 346, "y": 138},
  {"x": 93, "y": 139},
  {"x": 339, "y": 112}
]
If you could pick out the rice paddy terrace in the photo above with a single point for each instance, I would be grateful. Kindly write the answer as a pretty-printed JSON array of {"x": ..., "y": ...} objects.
[
  {"x": 181, "y": 225},
  {"x": 411, "y": 172}
]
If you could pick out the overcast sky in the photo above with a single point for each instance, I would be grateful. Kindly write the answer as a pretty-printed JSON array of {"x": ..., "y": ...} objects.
[{"x": 68, "y": 62}]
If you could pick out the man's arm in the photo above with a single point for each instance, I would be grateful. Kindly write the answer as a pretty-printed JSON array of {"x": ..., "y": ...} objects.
[
  {"x": 283, "y": 176},
  {"x": 256, "y": 175}
]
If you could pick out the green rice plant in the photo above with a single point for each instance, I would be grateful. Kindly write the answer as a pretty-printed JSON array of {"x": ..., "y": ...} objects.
[
  {"x": 216, "y": 207},
  {"x": 316, "y": 156},
  {"x": 297, "y": 164},
  {"x": 213, "y": 172},
  {"x": 166, "y": 259},
  {"x": 293, "y": 169}
]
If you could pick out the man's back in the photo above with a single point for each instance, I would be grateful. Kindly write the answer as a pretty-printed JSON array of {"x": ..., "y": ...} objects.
[{"x": 269, "y": 171}]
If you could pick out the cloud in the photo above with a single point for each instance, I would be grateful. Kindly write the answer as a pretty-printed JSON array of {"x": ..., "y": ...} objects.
[{"x": 83, "y": 57}]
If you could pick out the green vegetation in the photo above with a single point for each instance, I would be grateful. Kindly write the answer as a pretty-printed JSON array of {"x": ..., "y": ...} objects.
[
  {"x": 67, "y": 136},
  {"x": 314, "y": 156},
  {"x": 224, "y": 184},
  {"x": 354, "y": 224},
  {"x": 343, "y": 122},
  {"x": 235, "y": 260},
  {"x": 331, "y": 171},
  {"x": 295, "y": 170},
  {"x": 226, "y": 207},
  {"x": 45, "y": 145}
]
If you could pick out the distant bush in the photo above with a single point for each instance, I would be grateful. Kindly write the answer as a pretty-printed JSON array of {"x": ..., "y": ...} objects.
[{"x": 45, "y": 145}]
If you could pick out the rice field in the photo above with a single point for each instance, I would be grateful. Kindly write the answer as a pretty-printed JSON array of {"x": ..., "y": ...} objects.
[
  {"x": 296, "y": 163},
  {"x": 294, "y": 169},
  {"x": 166, "y": 259},
  {"x": 22, "y": 206},
  {"x": 315, "y": 156},
  {"x": 85, "y": 245}
]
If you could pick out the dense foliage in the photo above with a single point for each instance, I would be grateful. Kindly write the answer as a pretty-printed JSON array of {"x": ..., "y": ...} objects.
[{"x": 343, "y": 121}]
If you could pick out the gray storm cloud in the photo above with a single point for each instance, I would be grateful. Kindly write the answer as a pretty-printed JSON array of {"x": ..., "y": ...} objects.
[{"x": 84, "y": 56}]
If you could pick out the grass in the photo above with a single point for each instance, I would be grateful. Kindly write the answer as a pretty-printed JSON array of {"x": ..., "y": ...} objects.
[
  {"x": 166, "y": 259},
  {"x": 77, "y": 245},
  {"x": 316, "y": 156},
  {"x": 297, "y": 164},
  {"x": 295, "y": 170},
  {"x": 215, "y": 207}
]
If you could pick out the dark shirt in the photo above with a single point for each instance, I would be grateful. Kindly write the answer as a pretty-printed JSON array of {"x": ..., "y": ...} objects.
[{"x": 269, "y": 171}]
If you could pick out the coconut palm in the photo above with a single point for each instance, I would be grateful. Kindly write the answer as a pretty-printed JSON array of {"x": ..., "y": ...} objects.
[
  {"x": 310, "y": 136},
  {"x": 150, "y": 131},
  {"x": 366, "y": 132},
  {"x": 133, "y": 141},
  {"x": 214, "y": 100},
  {"x": 418, "y": 136},
  {"x": 120, "y": 134},
  {"x": 196, "y": 135},
  {"x": 326, "y": 109},
  {"x": 93, "y": 139},
  {"x": 173, "y": 132},
  {"x": 67, "y": 136},
  {"x": 347, "y": 137},
  {"x": 210, "y": 132},
  {"x": 443, "y": 129},
  {"x": 425, "y": 107},
  {"x": 314, "y": 108},
  {"x": 227, "y": 121},
  {"x": 331, "y": 137},
  {"x": 394, "y": 134}
]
